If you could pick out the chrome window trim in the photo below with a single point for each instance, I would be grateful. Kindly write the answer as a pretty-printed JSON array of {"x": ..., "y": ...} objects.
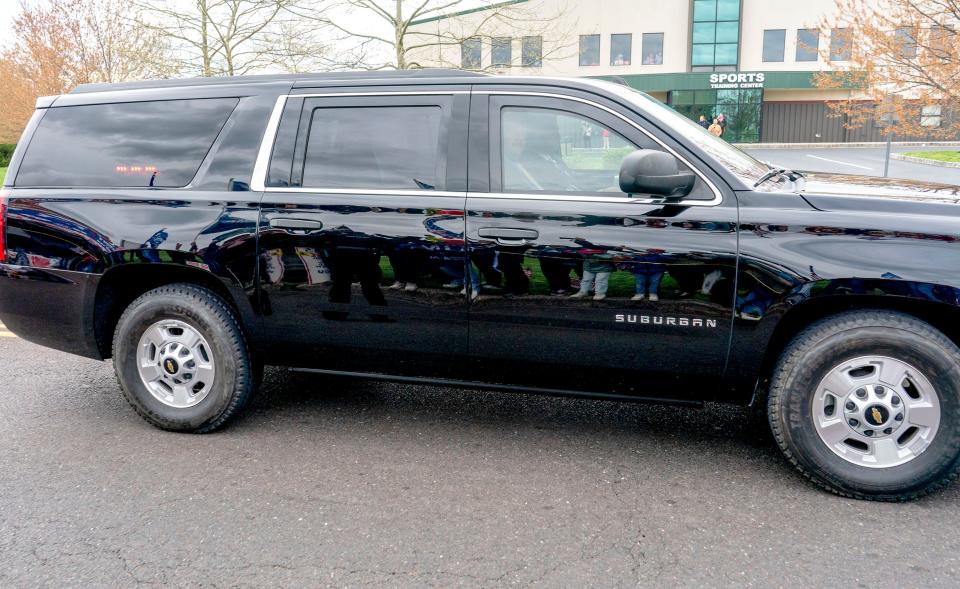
[
  {"x": 361, "y": 191},
  {"x": 624, "y": 200},
  {"x": 258, "y": 181},
  {"x": 260, "y": 167}
]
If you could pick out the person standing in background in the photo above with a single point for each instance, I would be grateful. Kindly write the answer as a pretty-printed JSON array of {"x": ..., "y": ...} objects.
[
  {"x": 703, "y": 122},
  {"x": 715, "y": 128},
  {"x": 722, "y": 121}
]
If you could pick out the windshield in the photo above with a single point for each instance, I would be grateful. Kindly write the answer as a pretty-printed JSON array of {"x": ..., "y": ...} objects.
[{"x": 744, "y": 166}]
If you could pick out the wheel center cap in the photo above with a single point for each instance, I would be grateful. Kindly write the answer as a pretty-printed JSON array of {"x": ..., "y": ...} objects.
[
  {"x": 170, "y": 365},
  {"x": 876, "y": 415}
]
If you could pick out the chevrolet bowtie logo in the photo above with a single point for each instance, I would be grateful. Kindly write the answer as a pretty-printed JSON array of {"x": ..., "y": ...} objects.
[
  {"x": 877, "y": 416},
  {"x": 170, "y": 368}
]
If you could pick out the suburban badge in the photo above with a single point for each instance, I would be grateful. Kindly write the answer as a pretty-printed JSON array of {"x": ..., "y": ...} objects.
[{"x": 666, "y": 320}]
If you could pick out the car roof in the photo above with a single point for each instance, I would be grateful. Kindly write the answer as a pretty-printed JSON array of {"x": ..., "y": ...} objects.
[
  {"x": 277, "y": 84},
  {"x": 296, "y": 80},
  {"x": 227, "y": 84}
]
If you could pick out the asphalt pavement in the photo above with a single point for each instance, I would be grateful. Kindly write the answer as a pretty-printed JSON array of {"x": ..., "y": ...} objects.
[
  {"x": 342, "y": 483},
  {"x": 866, "y": 161},
  {"x": 334, "y": 482}
]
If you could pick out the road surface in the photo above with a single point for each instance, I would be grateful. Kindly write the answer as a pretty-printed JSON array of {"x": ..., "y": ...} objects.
[
  {"x": 857, "y": 160},
  {"x": 335, "y": 483}
]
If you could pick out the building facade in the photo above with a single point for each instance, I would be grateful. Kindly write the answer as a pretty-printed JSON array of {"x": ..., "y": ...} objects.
[{"x": 752, "y": 60}]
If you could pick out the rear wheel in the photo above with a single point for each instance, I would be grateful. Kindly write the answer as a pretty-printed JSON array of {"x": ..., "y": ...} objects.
[
  {"x": 181, "y": 359},
  {"x": 867, "y": 404}
]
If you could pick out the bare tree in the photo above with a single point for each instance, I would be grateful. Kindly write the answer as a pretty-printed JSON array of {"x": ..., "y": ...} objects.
[
  {"x": 118, "y": 48},
  {"x": 233, "y": 37},
  {"x": 901, "y": 58},
  {"x": 403, "y": 34},
  {"x": 63, "y": 43}
]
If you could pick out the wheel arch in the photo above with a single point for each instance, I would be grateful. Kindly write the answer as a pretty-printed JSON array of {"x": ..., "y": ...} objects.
[
  {"x": 121, "y": 285},
  {"x": 942, "y": 316}
]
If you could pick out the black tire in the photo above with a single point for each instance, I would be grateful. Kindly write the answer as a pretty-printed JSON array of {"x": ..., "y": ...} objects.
[
  {"x": 236, "y": 375},
  {"x": 838, "y": 338}
]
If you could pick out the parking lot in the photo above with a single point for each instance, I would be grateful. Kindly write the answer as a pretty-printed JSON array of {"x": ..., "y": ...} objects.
[
  {"x": 330, "y": 482},
  {"x": 866, "y": 161}
]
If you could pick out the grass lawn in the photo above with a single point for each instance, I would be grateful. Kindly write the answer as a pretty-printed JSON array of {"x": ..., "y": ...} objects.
[
  {"x": 943, "y": 156},
  {"x": 3, "y": 173}
]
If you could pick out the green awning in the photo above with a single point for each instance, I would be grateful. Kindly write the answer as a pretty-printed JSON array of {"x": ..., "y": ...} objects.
[{"x": 701, "y": 81}]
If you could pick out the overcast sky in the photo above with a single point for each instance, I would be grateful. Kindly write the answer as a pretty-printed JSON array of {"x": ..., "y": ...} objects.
[{"x": 8, "y": 9}]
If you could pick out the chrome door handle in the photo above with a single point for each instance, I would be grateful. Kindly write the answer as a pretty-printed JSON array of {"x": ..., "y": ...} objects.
[
  {"x": 509, "y": 235},
  {"x": 294, "y": 225}
]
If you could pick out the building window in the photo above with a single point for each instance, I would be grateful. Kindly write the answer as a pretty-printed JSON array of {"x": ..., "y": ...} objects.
[
  {"x": 907, "y": 42},
  {"x": 621, "y": 47},
  {"x": 773, "y": 43},
  {"x": 652, "y": 48},
  {"x": 941, "y": 41},
  {"x": 501, "y": 51},
  {"x": 840, "y": 48},
  {"x": 931, "y": 115},
  {"x": 470, "y": 51},
  {"x": 808, "y": 44},
  {"x": 716, "y": 35},
  {"x": 589, "y": 49},
  {"x": 531, "y": 55}
]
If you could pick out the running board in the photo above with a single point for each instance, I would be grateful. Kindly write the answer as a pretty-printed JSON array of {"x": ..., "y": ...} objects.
[{"x": 467, "y": 384}]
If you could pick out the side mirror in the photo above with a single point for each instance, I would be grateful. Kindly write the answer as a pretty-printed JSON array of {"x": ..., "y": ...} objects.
[{"x": 647, "y": 171}]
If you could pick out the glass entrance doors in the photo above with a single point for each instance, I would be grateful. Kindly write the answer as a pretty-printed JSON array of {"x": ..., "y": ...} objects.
[{"x": 742, "y": 109}]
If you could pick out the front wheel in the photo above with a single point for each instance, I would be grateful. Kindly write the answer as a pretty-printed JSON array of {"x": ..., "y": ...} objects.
[
  {"x": 182, "y": 360},
  {"x": 867, "y": 404}
]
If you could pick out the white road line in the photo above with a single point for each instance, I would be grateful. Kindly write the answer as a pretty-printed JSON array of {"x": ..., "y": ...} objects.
[{"x": 817, "y": 157}]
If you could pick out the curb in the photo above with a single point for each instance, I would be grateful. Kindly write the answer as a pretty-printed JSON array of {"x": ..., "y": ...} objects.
[
  {"x": 923, "y": 160},
  {"x": 842, "y": 145}
]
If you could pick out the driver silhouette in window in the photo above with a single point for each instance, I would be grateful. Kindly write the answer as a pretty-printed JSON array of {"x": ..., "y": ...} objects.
[{"x": 532, "y": 157}]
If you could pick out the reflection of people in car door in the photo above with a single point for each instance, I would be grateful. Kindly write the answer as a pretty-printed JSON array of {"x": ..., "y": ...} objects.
[
  {"x": 408, "y": 257},
  {"x": 357, "y": 255},
  {"x": 598, "y": 265},
  {"x": 648, "y": 272},
  {"x": 445, "y": 233},
  {"x": 556, "y": 264}
]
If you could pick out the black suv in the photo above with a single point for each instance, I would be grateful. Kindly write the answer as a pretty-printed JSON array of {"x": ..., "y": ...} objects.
[{"x": 562, "y": 236}]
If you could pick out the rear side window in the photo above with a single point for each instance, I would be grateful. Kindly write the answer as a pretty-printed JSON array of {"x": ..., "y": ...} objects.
[
  {"x": 131, "y": 144},
  {"x": 379, "y": 147}
]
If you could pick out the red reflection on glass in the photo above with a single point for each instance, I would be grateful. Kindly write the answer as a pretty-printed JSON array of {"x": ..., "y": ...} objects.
[{"x": 136, "y": 170}]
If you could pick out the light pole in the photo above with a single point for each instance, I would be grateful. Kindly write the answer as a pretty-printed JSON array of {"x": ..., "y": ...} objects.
[
  {"x": 888, "y": 118},
  {"x": 886, "y": 160}
]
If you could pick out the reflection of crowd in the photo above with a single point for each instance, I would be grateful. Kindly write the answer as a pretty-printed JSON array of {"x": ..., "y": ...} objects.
[
  {"x": 344, "y": 258},
  {"x": 341, "y": 257}
]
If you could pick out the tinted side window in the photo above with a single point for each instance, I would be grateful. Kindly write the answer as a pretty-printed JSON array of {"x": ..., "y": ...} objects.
[
  {"x": 388, "y": 147},
  {"x": 134, "y": 144},
  {"x": 548, "y": 150}
]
